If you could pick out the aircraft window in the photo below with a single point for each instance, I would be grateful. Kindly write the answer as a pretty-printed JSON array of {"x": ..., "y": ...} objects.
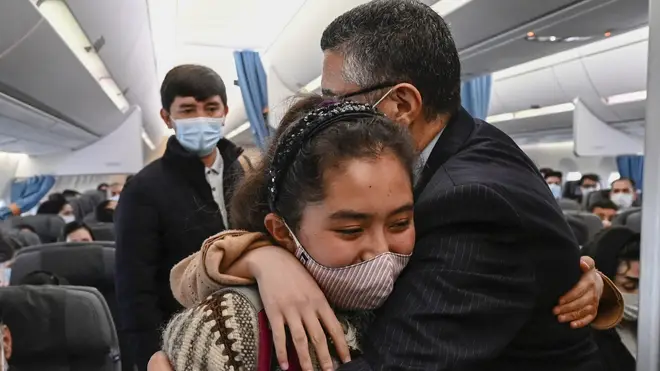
[
  {"x": 613, "y": 176},
  {"x": 573, "y": 175}
]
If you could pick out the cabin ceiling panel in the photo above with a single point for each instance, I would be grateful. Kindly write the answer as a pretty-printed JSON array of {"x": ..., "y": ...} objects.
[
  {"x": 537, "y": 88},
  {"x": 11, "y": 30},
  {"x": 618, "y": 71},
  {"x": 537, "y": 124}
]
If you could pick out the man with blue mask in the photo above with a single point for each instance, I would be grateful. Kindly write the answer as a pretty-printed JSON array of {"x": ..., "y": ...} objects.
[
  {"x": 554, "y": 180},
  {"x": 170, "y": 207}
]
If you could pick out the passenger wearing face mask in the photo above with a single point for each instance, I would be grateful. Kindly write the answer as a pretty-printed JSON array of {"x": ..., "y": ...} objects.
[
  {"x": 170, "y": 207},
  {"x": 554, "y": 180},
  {"x": 6, "y": 349},
  {"x": 616, "y": 252},
  {"x": 623, "y": 193},
  {"x": 588, "y": 183},
  {"x": 57, "y": 207}
]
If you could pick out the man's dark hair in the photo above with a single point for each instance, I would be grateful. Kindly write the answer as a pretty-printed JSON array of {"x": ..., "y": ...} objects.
[
  {"x": 592, "y": 177},
  {"x": 103, "y": 213},
  {"x": 625, "y": 179},
  {"x": 41, "y": 278},
  {"x": 345, "y": 140},
  {"x": 604, "y": 204},
  {"x": 51, "y": 206},
  {"x": 394, "y": 41},
  {"x": 191, "y": 80},
  {"x": 102, "y": 185},
  {"x": 553, "y": 173},
  {"x": 70, "y": 193},
  {"x": 545, "y": 170},
  {"x": 74, "y": 226}
]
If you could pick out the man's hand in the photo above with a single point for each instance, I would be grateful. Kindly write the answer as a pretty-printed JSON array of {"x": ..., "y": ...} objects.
[
  {"x": 159, "y": 362},
  {"x": 292, "y": 298},
  {"x": 580, "y": 305}
]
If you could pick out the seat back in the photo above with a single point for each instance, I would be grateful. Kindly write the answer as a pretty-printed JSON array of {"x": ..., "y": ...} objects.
[
  {"x": 48, "y": 227},
  {"x": 591, "y": 221},
  {"x": 103, "y": 231},
  {"x": 579, "y": 228},
  {"x": 621, "y": 217},
  {"x": 59, "y": 328},
  {"x": 595, "y": 197},
  {"x": 569, "y": 205},
  {"x": 634, "y": 221}
]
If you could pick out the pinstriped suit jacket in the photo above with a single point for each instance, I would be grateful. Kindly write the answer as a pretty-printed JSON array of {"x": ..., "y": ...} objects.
[{"x": 493, "y": 255}]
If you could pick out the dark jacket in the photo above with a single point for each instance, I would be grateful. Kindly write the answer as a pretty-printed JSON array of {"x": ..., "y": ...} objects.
[
  {"x": 164, "y": 214},
  {"x": 493, "y": 254}
]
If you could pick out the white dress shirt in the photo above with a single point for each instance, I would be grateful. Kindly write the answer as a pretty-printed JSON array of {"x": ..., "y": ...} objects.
[
  {"x": 214, "y": 178},
  {"x": 424, "y": 156}
]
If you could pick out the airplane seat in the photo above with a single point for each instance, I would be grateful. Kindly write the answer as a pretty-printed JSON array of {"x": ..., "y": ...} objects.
[
  {"x": 579, "y": 228},
  {"x": 59, "y": 328},
  {"x": 592, "y": 222},
  {"x": 87, "y": 203},
  {"x": 89, "y": 264},
  {"x": 569, "y": 205},
  {"x": 622, "y": 216},
  {"x": 48, "y": 227},
  {"x": 24, "y": 238},
  {"x": 571, "y": 190},
  {"x": 103, "y": 231},
  {"x": 90, "y": 218},
  {"x": 634, "y": 221},
  {"x": 594, "y": 197}
]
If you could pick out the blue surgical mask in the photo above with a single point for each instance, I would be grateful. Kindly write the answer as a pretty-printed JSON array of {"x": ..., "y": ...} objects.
[
  {"x": 556, "y": 190},
  {"x": 199, "y": 135}
]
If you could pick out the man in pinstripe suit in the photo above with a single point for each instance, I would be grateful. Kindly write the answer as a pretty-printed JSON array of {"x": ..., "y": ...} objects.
[{"x": 493, "y": 252}]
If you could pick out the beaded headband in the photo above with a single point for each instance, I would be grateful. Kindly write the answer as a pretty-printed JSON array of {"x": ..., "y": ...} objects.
[{"x": 302, "y": 131}]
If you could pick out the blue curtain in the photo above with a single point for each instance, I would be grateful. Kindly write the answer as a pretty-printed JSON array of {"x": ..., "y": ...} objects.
[
  {"x": 26, "y": 194},
  {"x": 631, "y": 167},
  {"x": 475, "y": 96},
  {"x": 252, "y": 81}
]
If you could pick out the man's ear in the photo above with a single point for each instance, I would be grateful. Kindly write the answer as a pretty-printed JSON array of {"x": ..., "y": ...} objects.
[
  {"x": 165, "y": 116},
  {"x": 276, "y": 227},
  {"x": 408, "y": 104}
]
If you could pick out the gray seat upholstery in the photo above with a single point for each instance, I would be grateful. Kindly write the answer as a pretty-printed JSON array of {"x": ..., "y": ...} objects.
[
  {"x": 579, "y": 228},
  {"x": 56, "y": 328},
  {"x": 86, "y": 203},
  {"x": 80, "y": 264},
  {"x": 595, "y": 197},
  {"x": 634, "y": 221},
  {"x": 103, "y": 231},
  {"x": 569, "y": 205},
  {"x": 48, "y": 227},
  {"x": 591, "y": 221},
  {"x": 622, "y": 216},
  {"x": 90, "y": 218}
]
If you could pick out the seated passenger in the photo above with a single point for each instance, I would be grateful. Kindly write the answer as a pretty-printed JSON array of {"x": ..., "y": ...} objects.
[
  {"x": 623, "y": 193},
  {"x": 58, "y": 207},
  {"x": 70, "y": 194},
  {"x": 103, "y": 187},
  {"x": 115, "y": 191},
  {"x": 105, "y": 211},
  {"x": 616, "y": 252},
  {"x": 78, "y": 232},
  {"x": 40, "y": 278},
  {"x": 346, "y": 215},
  {"x": 6, "y": 347},
  {"x": 554, "y": 180},
  {"x": 605, "y": 210},
  {"x": 588, "y": 183}
]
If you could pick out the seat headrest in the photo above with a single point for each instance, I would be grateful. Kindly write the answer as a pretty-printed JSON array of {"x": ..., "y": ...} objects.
[
  {"x": 103, "y": 231},
  {"x": 579, "y": 228},
  {"x": 621, "y": 217},
  {"x": 591, "y": 221},
  {"x": 49, "y": 227},
  {"x": 634, "y": 222},
  {"x": 81, "y": 264},
  {"x": 57, "y": 323},
  {"x": 24, "y": 238},
  {"x": 595, "y": 197},
  {"x": 569, "y": 205}
]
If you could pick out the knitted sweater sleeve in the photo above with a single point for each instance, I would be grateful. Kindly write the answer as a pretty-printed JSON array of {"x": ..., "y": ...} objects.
[{"x": 204, "y": 272}]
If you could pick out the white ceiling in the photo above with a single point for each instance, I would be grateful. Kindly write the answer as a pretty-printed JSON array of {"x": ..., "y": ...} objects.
[{"x": 208, "y": 32}]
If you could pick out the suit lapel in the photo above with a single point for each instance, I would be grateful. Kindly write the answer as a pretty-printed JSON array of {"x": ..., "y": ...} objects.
[{"x": 457, "y": 132}]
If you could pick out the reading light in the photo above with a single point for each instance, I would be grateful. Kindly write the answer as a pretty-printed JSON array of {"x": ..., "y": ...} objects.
[
  {"x": 58, "y": 14},
  {"x": 626, "y": 98},
  {"x": 534, "y": 112},
  {"x": 531, "y": 34}
]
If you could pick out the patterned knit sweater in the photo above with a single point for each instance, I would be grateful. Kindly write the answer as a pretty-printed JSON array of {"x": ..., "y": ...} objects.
[{"x": 222, "y": 333}]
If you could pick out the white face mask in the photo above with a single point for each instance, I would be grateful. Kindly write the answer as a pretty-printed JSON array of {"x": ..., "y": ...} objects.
[
  {"x": 556, "y": 190},
  {"x": 68, "y": 218},
  {"x": 361, "y": 286},
  {"x": 622, "y": 200},
  {"x": 630, "y": 306}
]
